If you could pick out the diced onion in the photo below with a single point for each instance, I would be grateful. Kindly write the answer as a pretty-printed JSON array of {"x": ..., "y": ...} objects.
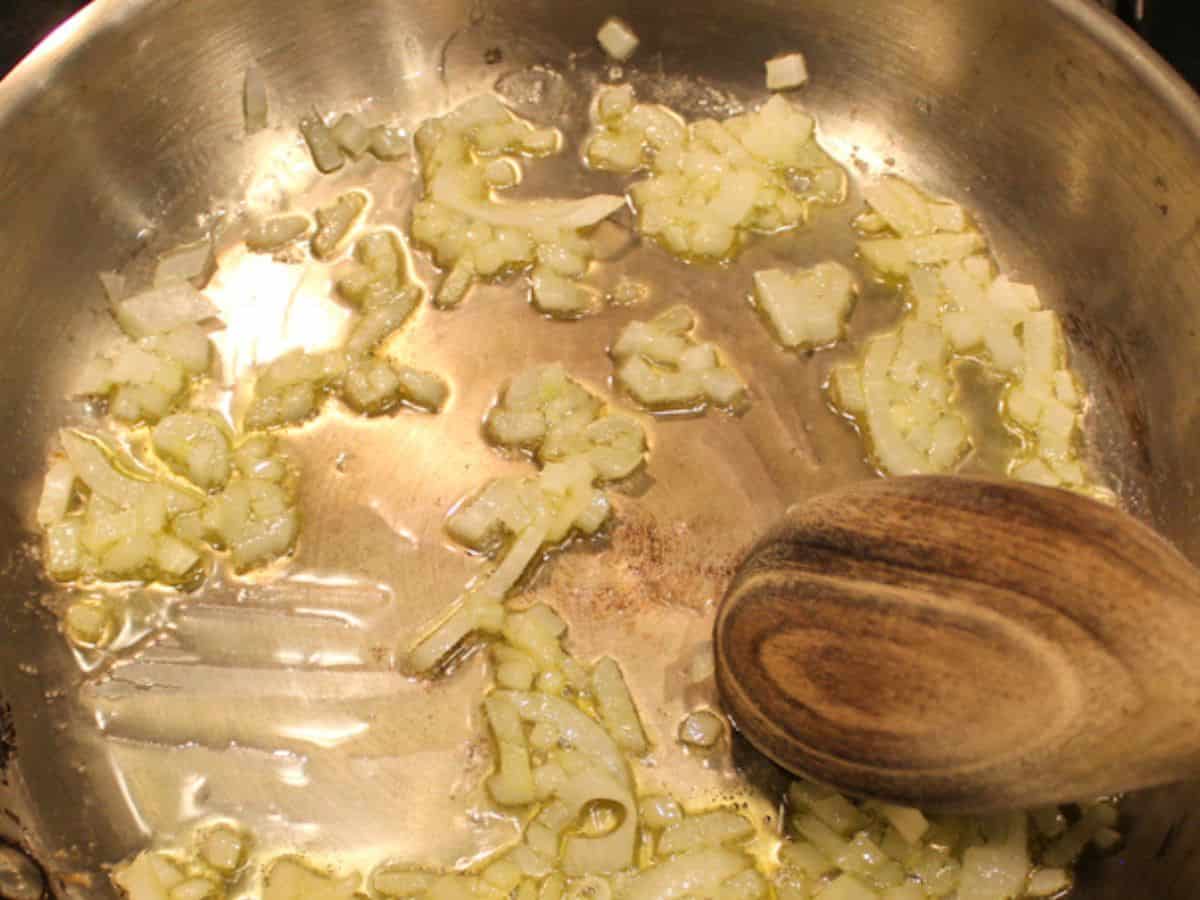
[
  {"x": 334, "y": 223},
  {"x": 617, "y": 39},
  {"x": 1047, "y": 883},
  {"x": 275, "y": 232},
  {"x": 663, "y": 367},
  {"x": 288, "y": 878},
  {"x": 688, "y": 875},
  {"x": 808, "y": 307},
  {"x": 910, "y": 823},
  {"x": 388, "y": 143},
  {"x": 163, "y": 309},
  {"x": 786, "y": 72},
  {"x": 400, "y": 881},
  {"x": 148, "y": 877},
  {"x": 199, "y": 888},
  {"x": 512, "y": 785},
  {"x": 191, "y": 262},
  {"x": 572, "y": 214},
  {"x": 711, "y": 829},
  {"x": 712, "y": 183},
  {"x": 893, "y": 256},
  {"x": 325, "y": 150},
  {"x": 114, "y": 286},
  {"x": 254, "y": 100},
  {"x": 197, "y": 446},
  {"x": 224, "y": 848},
  {"x": 616, "y": 707},
  {"x": 554, "y": 294},
  {"x": 351, "y": 135},
  {"x": 58, "y": 489},
  {"x": 90, "y": 623},
  {"x": 701, "y": 729}
]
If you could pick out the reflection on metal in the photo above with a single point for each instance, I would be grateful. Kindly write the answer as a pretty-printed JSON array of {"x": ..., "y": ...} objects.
[{"x": 20, "y": 877}]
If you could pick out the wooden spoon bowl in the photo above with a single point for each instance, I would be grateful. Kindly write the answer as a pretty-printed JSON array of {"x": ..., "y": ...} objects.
[{"x": 964, "y": 644}]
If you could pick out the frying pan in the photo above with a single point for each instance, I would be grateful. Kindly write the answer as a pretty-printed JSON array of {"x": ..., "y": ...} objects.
[{"x": 277, "y": 700}]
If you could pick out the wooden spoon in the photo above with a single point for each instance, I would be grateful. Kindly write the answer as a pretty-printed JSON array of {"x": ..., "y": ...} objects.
[{"x": 966, "y": 645}]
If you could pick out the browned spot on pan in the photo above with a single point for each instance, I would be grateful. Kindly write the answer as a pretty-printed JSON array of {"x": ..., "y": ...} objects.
[
  {"x": 8, "y": 738},
  {"x": 642, "y": 563}
]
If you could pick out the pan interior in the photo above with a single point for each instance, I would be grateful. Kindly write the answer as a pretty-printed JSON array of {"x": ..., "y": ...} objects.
[{"x": 278, "y": 701}]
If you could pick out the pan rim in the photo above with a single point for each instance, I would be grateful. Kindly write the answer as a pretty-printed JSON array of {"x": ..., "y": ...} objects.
[{"x": 27, "y": 80}]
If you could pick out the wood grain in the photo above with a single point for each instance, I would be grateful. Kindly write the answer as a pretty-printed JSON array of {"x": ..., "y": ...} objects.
[{"x": 964, "y": 644}]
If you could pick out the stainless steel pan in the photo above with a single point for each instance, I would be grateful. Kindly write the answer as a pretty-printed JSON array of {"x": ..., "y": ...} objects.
[{"x": 280, "y": 702}]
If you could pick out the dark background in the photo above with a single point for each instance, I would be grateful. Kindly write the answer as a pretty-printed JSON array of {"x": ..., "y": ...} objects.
[{"x": 1171, "y": 26}]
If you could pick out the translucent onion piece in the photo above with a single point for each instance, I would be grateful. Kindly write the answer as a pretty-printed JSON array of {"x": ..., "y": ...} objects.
[
  {"x": 617, "y": 39},
  {"x": 786, "y": 72}
]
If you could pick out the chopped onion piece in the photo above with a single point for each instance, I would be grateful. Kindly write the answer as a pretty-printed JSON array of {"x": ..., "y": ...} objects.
[
  {"x": 388, "y": 143},
  {"x": 556, "y": 295},
  {"x": 893, "y": 256},
  {"x": 475, "y": 233},
  {"x": 847, "y": 887},
  {"x": 64, "y": 550},
  {"x": 617, "y": 39},
  {"x": 711, "y": 829},
  {"x": 93, "y": 466},
  {"x": 58, "y": 489},
  {"x": 786, "y": 72},
  {"x": 114, "y": 286},
  {"x": 199, "y": 888},
  {"x": 379, "y": 323},
  {"x": 288, "y": 878},
  {"x": 579, "y": 730},
  {"x": 695, "y": 874},
  {"x": 909, "y": 822},
  {"x": 335, "y": 222},
  {"x": 254, "y": 100},
  {"x": 658, "y": 812},
  {"x": 90, "y": 623},
  {"x": 268, "y": 235},
  {"x": 196, "y": 445},
  {"x": 164, "y": 308},
  {"x": 371, "y": 386},
  {"x": 993, "y": 871},
  {"x": 400, "y": 881},
  {"x": 808, "y": 307},
  {"x": 456, "y": 284},
  {"x": 224, "y": 848},
  {"x": 424, "y": 390},
  {"x": 541, "y": 214},
  {"x": 191, "y": 262},
  {"x": 616, "y": 706},
  {"x": 512, "y": 784},
  {"x": 475, "y": 613},
  {"x": 148, "y": 877},
  {"x": 713, "y": 183},
  {"x": 187, "y": 345},
  {"x": 664, "y": 368},
  {"x": 351, "y": 135},
  {"x": 1047, "y": 883},
  {"x": 701, "y": 729},
  {"x": 326, "y": 153},
  {"x": 902, "y": 207},
  {"x": 502, "y": 173}
]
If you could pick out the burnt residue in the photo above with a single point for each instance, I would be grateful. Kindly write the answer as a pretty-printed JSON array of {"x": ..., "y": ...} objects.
[
  {"x": 8, "y": 738},
  {"x": 1168, "y": 840},
  {"x": 640, "y": 564}
]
